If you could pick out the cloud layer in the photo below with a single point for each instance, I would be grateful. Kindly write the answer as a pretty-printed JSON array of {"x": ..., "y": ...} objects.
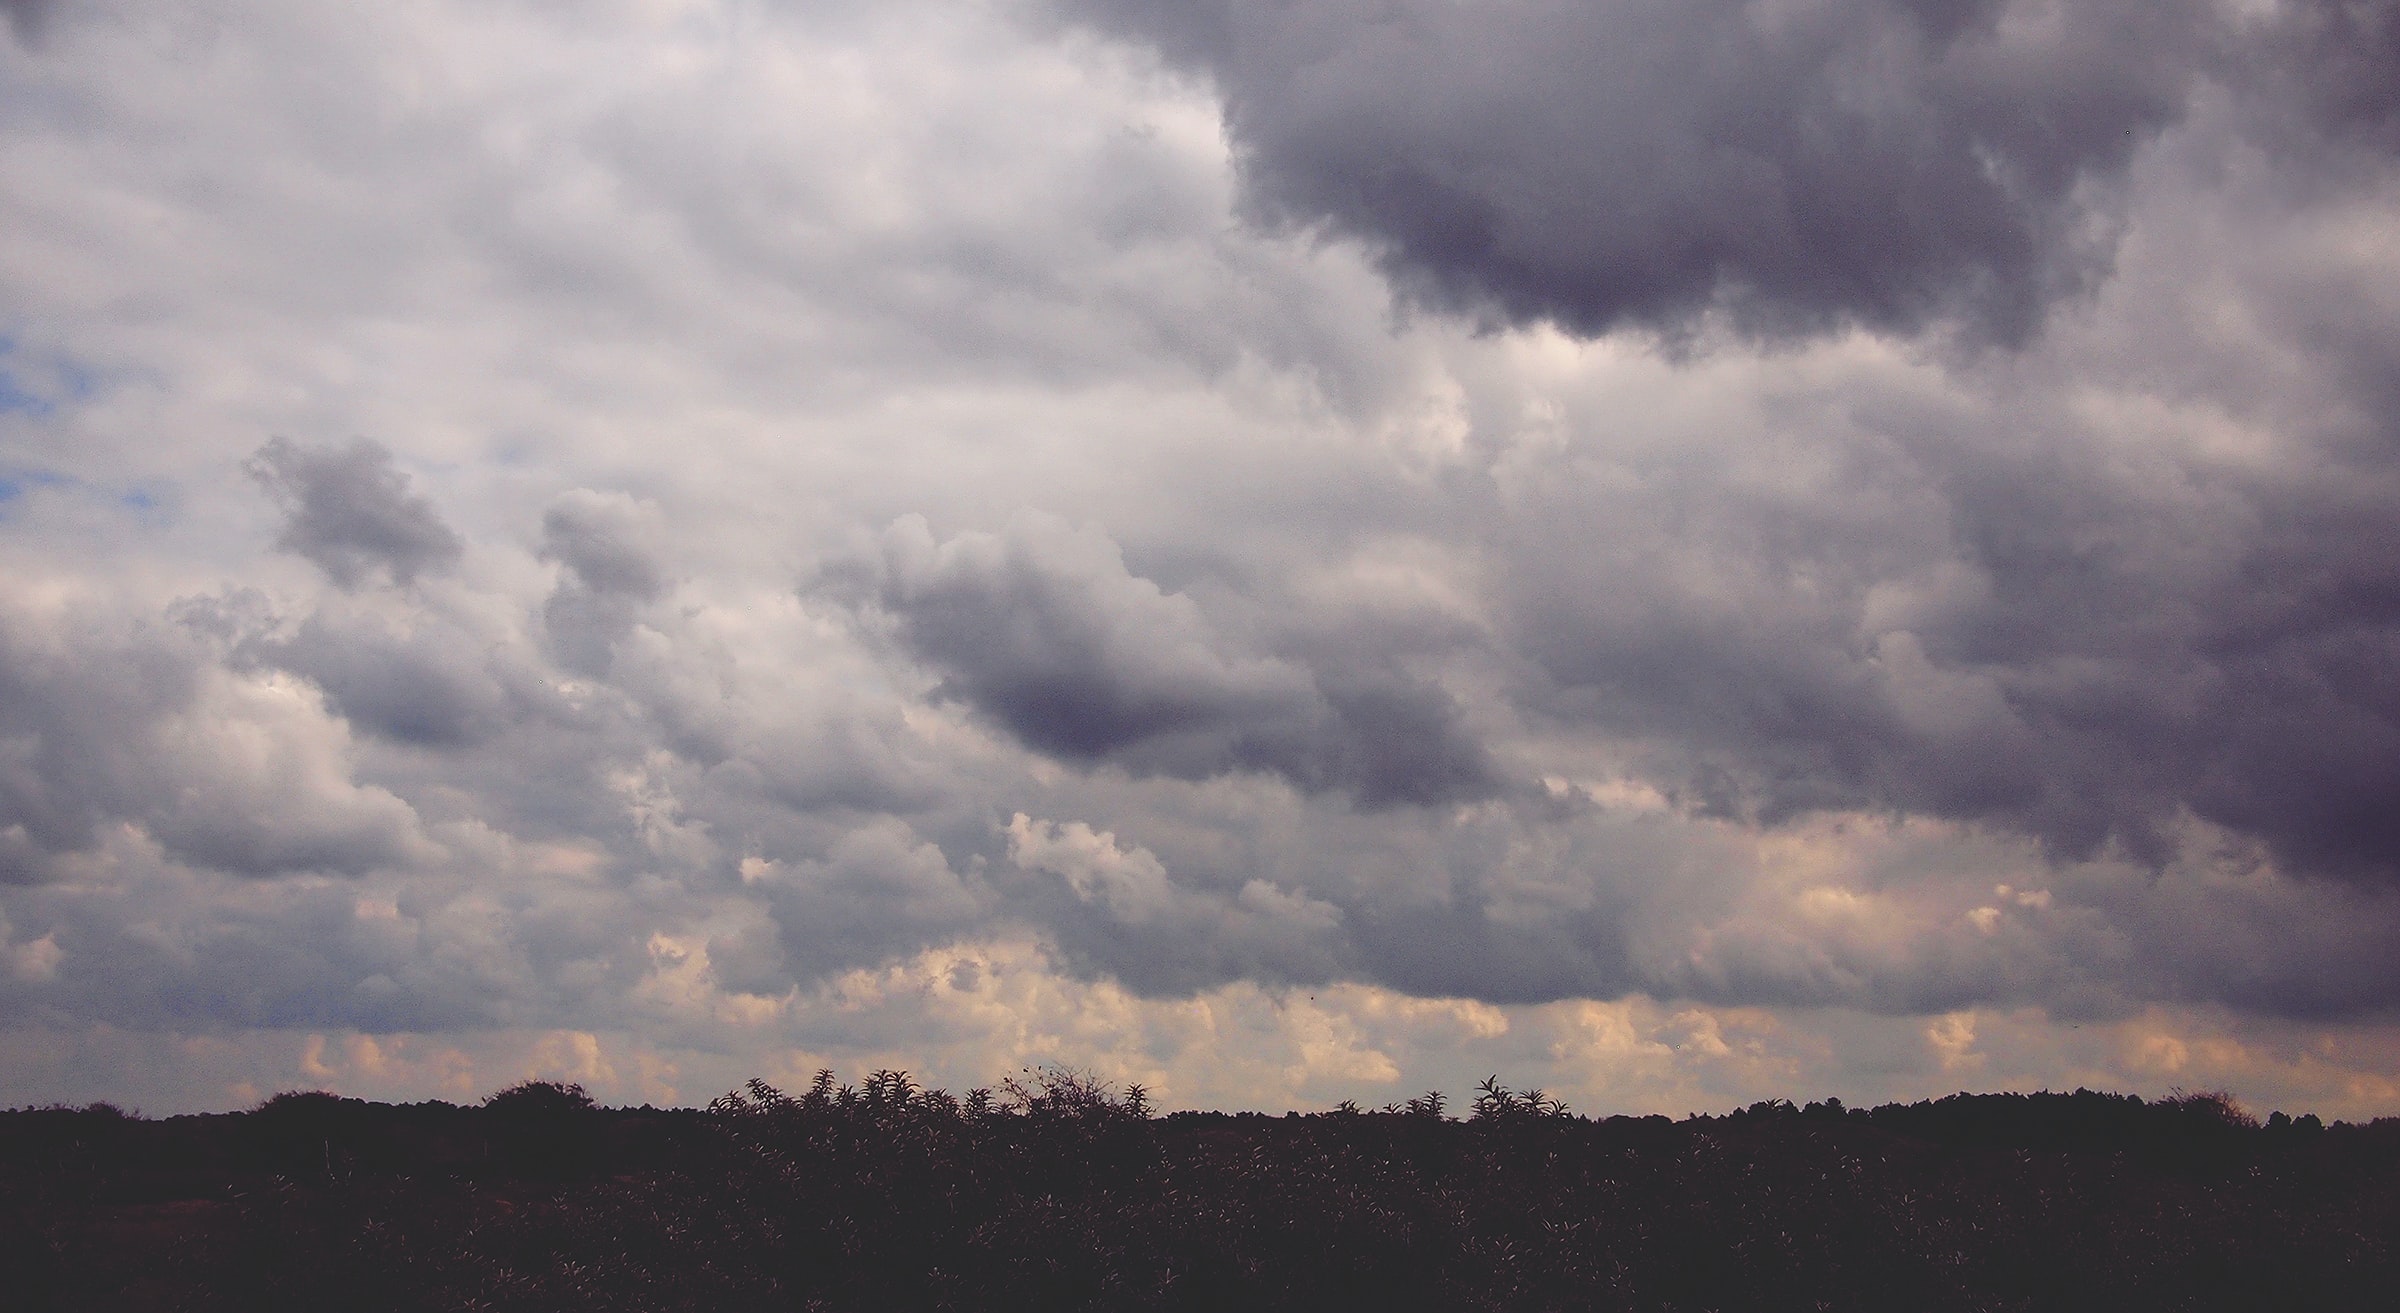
[{"x": 1686, "y": 553}]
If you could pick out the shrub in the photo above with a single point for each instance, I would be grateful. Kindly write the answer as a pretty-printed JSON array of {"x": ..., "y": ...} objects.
[{"x": 540, "y": 1098}]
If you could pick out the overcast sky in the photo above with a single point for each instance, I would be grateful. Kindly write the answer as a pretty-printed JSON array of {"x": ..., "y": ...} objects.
[{"x": 1675, "y": 551}]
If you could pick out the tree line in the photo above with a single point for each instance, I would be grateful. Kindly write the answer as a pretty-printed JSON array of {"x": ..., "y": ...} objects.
[{"x": 1054, "y": 1190}]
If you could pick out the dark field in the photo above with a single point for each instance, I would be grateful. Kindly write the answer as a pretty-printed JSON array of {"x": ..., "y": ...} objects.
[{"x": 1059, "y": 1195}]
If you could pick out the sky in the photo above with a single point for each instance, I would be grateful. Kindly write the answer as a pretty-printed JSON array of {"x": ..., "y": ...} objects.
[{"x": 1677, "y": 552}]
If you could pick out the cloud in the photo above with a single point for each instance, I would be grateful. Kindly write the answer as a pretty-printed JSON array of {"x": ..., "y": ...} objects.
[
  {"x": 74, "y": 722},
  {"x": 261, "y": 785},
  {"x": 1979, "y": 605},
  {"x": 945, "y": 556},
  {"x": 350, "y": 512},
  {"x": 596, "y": 536},
  {"x": 2333, "y": 66},
  {"x": 1130, "y": 886},
  {"x": 429, "y": 684},
  {"x": 1125, "y": 917},
  {"x": 608, "y": 574},
  {"x": 28, "y": 19},
  {"x": 241, "y": 774},
  {"x": 1805, "y": 167},
  {"x": 1044, "y": 629},
  {"x": 880, "y": 892}
]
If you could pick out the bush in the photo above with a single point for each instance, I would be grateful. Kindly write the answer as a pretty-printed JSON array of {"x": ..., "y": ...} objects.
[{"x": 540, "y": 1098}]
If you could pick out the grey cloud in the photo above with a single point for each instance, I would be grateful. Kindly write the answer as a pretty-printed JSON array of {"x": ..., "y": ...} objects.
[
  {"x": 430, "y": 952},
  {"x": 510, "y": 745},
  {"x": 879, "y": 892},
  {"x": 2104, "y": 591},
  {"x": 1998, "y": 613},
  {"x": 2334, "y": 65},
  {"x": 428, "y": 687},
  {"x": 1531, "y": 903},
  {"x": 1457, "y": 949},
  {"x": 99, "y": 729},
  {"x": 1892, "y": 163},
  {"x": 1113, "y": 908},
  {"x": 609, "y": 574},
  {"x": 349, "y": 510},
  {"x": 74, "y": 722},
  {"x": 238, "y": 831},
  {"x": 1522, "y": 902},
  {"x": 752, "y": 959},
  {"x": 598, "y": 537},
  {"x": 1045, "y": 630},
  {"x": 28, "y": 19},
  {"x": 1987, "y": 616},
  {"x": 420, "y": 678},
  {"x": 2099, "y": 939}
]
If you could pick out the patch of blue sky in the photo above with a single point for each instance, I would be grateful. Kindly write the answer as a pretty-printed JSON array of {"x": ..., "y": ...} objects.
[
  {"x": 16, "y": 482},
  {"x": 16, "y": 397},
  {"x": 148, "y": 505}
]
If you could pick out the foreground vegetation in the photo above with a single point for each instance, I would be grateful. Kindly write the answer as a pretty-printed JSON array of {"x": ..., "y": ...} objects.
[{"x": 1057, "y": 1193}]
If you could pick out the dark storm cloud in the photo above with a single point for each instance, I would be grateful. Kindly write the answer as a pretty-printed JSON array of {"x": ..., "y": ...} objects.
[
  {"x": 2004, "y": 619},
  {"x": 1891, "y": 163},
  {"x": 1045, "y": 630},
  {"x": 349, "y": 510},
  {"x": 1994, "y": 617}
]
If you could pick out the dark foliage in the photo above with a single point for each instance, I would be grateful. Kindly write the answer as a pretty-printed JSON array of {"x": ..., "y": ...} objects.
[{"x": 1055, "y": 1192}]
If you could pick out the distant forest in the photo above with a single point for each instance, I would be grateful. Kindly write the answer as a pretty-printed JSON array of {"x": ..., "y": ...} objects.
[{"x": 1056, "y": 1192}]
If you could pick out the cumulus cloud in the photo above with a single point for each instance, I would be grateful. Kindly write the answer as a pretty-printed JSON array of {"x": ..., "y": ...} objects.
[
  {"x": 1043, "y": 628},
  {"x": 1803, "y": 167},
  {"x": 349, "y": 511},
  {"x": 880, "y": 892},
  {"x": 427, "y": 685},
  {"x": 1130, "y": 920},
  {"x": 244, "y": 775},
  {"x": 75, "y": 722}
]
